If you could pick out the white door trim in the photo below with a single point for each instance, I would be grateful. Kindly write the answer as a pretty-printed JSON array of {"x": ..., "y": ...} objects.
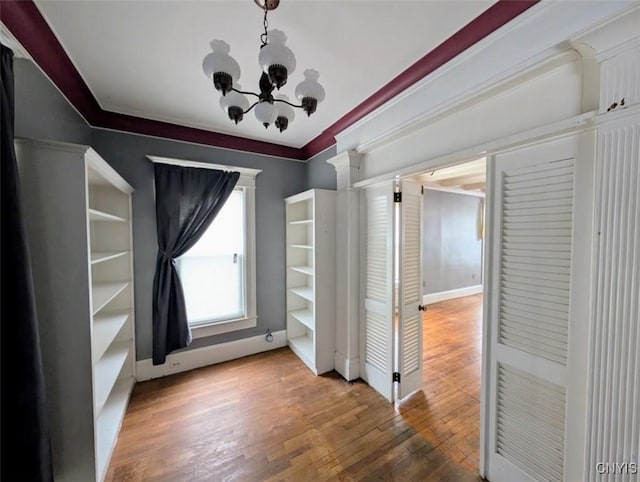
[{"x": 567, "y": 127}]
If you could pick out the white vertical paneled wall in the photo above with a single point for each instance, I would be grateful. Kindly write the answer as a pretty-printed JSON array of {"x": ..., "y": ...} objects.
[
  {"x": 620, "y": 80},
  {"x": 614, "y": 421}
]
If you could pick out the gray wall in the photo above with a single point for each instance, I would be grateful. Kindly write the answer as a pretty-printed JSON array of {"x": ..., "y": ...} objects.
[
  {"x": 42, "y": 112},
  {"x": 321, "y": 174},
  {"x": 452, "y": 250},
  {"x": 280, "y": 178}
]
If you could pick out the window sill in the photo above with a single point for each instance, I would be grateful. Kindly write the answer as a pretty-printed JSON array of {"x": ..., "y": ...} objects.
[{"x": 202, "y": 331}]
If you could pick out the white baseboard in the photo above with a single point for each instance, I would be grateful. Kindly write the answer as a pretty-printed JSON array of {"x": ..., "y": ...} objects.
[
  {"x": 208, "y": 355},
  {"x": 451, "y": 294},
  {"x": 349, "y": 368}
]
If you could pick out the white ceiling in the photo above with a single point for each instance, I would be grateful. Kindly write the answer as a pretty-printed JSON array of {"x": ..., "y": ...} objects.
[{"x": 144, "y": 58}]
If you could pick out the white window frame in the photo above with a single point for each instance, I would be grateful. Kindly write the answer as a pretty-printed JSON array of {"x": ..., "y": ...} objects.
[{"x": 247, "y": 182}]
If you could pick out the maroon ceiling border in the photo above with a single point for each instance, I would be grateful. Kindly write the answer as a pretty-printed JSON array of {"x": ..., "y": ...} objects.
[
  {"x": 27, "y": 24},
  {"x": 29, "y": 27},
  {"x": 486, "y": 23}
]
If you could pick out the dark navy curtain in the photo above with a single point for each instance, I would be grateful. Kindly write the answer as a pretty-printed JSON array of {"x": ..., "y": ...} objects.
[
  {"x": 26, "y": 454},
  {"x": 187, "y": 201}
]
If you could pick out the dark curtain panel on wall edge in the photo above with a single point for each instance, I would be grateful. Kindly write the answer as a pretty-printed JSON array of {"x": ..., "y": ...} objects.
[
  {"x": 187, "y": 201},
  {"x": 26, "y": 454}
]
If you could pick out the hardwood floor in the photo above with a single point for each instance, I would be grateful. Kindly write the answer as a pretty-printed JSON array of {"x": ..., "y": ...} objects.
[
  {"x": 267, "y": 417},
  {"x": 447, "y": 410}
]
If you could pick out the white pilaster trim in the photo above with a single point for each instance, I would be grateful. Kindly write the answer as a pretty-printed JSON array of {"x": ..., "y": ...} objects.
[
  {"x": 609, "y": 38},
  {"x": 346, "y": 164},
  {"x": 349, "y": 368},
  {"x": 209, "y": 355}
]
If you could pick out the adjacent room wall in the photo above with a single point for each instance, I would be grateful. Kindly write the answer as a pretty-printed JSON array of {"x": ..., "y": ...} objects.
[
  {"x": 452, "y": 248},
  {"x": 280, "y": 178},
  {"x": 42, "y": 112}
]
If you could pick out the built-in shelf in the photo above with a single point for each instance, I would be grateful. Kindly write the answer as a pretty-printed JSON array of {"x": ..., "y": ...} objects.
[
  {"x": 310, "y": 242},
  {"x": 107, "y": 370},
  {"x": 303, "y": 346},
  {"x": 83, "y": 293},
  {"x": 105, "y": 330},
  {"x": 305, "y": 292},
  {"x": 97, "y": 257},
  {"x": 109, "y": 421},
  {"x": 95, "y": 215},
  {"x": 302, "y": 269},
  {"x": 302, "y": 221},
  {"x": 102, "y": 293},
  {"x": 303, "y": 316}
]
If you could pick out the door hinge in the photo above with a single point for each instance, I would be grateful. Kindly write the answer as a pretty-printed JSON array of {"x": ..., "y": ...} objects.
[
  {"x": 396, "y": 377},
  {"x": 397, "y": 197}
]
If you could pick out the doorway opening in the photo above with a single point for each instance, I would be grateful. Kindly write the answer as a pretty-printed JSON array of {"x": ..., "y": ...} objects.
[{"x": 447, "y": 408}]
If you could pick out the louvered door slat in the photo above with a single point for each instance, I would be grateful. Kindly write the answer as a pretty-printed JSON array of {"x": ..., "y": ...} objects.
[
  {"x": 522, "y": 279},
  {"x": 543, "y": 189},
  {"x": 530, "y": 334},
  {"x": 533, "y": 274},
  {"x": 537, "y": 217},
  {"x": 534, "y": 227},
  {"x": 540, "y": 198},
  {"x": 377, "y": 345},
  {"x": 537, "y": 323},
  {"x": 538, "y": 294},
  {"x": 410, "y": 294},
  {"x": 542, "y": 205},
  {"x": 531, "y": 439},
  {"x": 533, "y": 306},
  {"x": 536, "y": 261},
  {"x": 534, "y": 248},
  {"x": 563, "y": 174}
]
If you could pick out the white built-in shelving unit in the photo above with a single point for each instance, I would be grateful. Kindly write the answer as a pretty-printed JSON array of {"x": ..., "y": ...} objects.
[
  {"x": 310, "y": 238},
  {"x": 78, "y": 215}
]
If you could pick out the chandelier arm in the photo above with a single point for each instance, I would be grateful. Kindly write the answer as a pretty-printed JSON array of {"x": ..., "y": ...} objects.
[
  {"x": 289, "y": 103},
  {"x": 245, "y": 92},
  {"x": 249, "y": 109}
]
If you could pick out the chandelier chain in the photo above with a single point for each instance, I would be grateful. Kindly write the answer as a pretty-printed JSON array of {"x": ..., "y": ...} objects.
[{"x": 264, "y": 37}]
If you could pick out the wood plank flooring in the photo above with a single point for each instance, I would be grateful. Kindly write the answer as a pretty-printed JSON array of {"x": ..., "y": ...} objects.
[
  {"x": 447, "y": 410},
  {"x": 267, "y": 417}
]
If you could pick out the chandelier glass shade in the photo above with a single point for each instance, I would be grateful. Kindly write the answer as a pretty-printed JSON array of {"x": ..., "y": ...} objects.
[{"x": 277, "y": 62}]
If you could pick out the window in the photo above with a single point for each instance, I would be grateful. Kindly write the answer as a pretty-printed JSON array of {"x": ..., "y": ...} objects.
[
  {"x": 213, "y": 271},
  {"x": 218, "y": 273}
]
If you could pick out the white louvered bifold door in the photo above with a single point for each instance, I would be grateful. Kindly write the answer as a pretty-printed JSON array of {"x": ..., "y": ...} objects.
[
  {"x": 410, "y": 290},
  {"x": 377, "y": 335},
  {"x": 538, "y": 285}
]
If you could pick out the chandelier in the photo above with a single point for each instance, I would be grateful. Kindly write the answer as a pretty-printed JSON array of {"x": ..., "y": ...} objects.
[{"x": 277, "y": 62}]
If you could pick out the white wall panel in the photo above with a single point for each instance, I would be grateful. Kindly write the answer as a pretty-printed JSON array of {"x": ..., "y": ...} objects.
[{"x": 614, "y": 421}]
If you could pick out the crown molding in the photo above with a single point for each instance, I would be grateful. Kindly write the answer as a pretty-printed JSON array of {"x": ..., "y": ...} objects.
[{"x": 30, "y": 29}]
